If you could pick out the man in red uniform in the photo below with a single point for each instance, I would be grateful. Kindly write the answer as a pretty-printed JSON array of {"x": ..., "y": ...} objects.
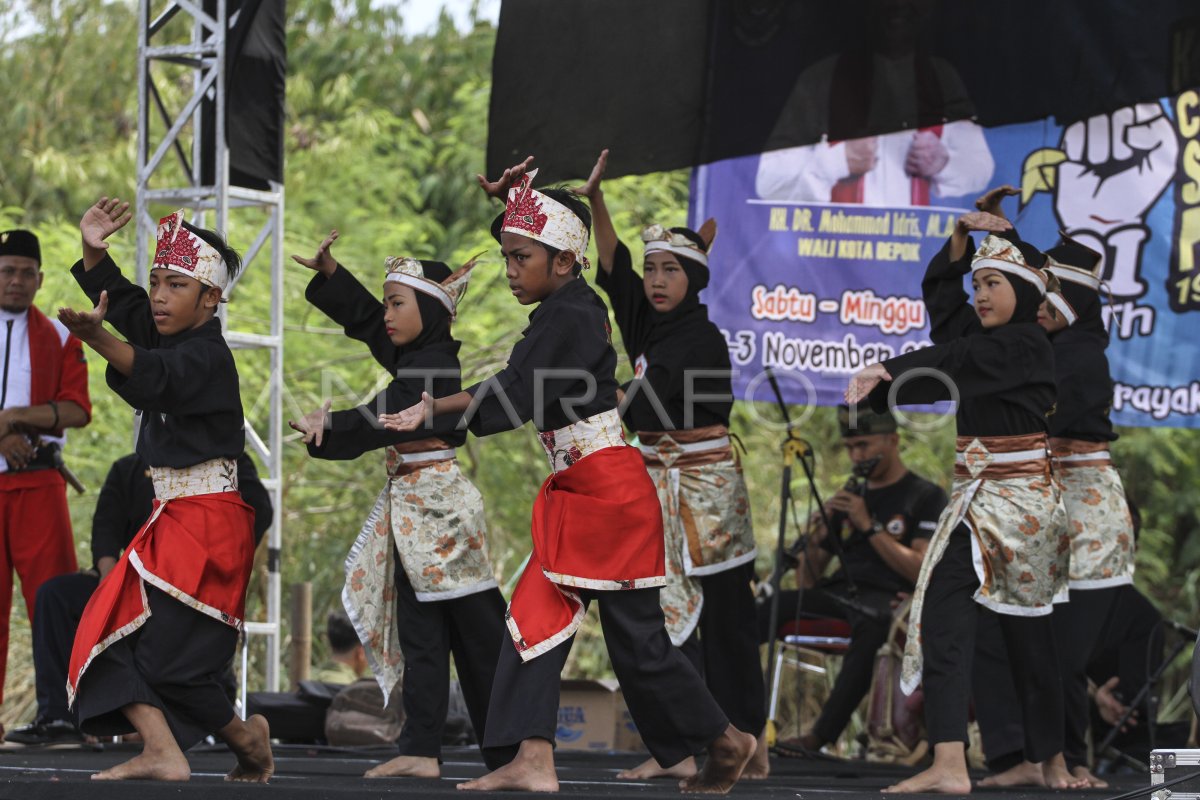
[{"x": 43, "y": 390}]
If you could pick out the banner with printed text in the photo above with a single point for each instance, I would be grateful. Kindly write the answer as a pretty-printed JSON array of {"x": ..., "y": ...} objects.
[{"x": 817, "y": 268}]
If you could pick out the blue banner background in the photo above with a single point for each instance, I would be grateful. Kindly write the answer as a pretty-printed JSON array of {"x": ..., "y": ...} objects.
[{"x": 818, "y": 290}]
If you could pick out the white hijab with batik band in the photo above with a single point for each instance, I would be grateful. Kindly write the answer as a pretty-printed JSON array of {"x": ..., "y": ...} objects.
[
  {"x": 1078, "y": 269},
  {"x": 413, "y": 273},
  {"x": 180, "y": 250},
  {"x": 1020, "y": 260},
  {"x": 540, "y": 217}
]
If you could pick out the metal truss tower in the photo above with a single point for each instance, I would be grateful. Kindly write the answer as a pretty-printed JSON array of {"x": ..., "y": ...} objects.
[{"x": 170, "y": 152}]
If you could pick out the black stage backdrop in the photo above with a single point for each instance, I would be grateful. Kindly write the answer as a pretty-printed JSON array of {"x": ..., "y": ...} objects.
[
  {"x": 255, "y": 88},
  {"x": 675, "y": 83}
]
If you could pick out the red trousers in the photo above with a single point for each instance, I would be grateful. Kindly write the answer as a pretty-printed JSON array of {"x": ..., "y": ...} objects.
[{"x": 35, "y": 529}]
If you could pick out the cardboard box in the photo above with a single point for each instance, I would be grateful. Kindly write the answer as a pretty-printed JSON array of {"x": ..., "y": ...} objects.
[{"x": 592, "y": 716}]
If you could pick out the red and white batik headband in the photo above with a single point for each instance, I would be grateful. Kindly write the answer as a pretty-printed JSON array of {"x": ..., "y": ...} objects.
[
  {"x": 410, "y": 272},
  {"x": 661, "y": 240},
  {"x": 533, "y": 214},
  {"x": 998, "y": 253},
  {"x": 184, "y": 252}
]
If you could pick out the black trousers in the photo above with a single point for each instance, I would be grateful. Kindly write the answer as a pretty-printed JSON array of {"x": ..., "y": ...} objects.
[
  {"x": 57, "y": 610},
  {"x": 724, "y": 648},
  {"x": 867, "y": 634},
  {"x": 1100, "y": 632},
  {"x": 471, "y": 628},
  {"x": 949, "y": 621},
  {"x": 175, "y": 662},
  {"x": 674, "y": 712}
]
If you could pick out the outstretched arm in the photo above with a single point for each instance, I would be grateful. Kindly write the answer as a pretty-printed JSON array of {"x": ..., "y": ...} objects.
[
  {"x": 88, "y": 327},
  {"x": 341, "y": 297},
  {"x": 602, "y": 227}
]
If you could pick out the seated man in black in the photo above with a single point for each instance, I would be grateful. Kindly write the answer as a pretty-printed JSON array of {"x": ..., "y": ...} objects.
[
  {"x": 124, "y": 504},
  {"x": 882, "y": 521}
]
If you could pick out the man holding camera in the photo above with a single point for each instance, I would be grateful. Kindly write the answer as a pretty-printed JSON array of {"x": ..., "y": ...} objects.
[
  {"x": 881, "y": 522},
  {"x": 43, "y": 391}
]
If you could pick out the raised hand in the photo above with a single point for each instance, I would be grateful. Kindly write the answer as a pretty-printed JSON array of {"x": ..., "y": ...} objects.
[
  {"x": 863, "y": 381},
  {"x": 499, "y": 188},
  {"x": 85, "y": 325},
  {"x": 982, "y": 221},
  {"x": 312, "y": 424},
  {"x": 323, "y": 262},
  {"x": 592, "y": 185},
  {"x": 102, "y": 220},
  {"x": 410, "y": 418},
  {"x": 990, "y": 202}
]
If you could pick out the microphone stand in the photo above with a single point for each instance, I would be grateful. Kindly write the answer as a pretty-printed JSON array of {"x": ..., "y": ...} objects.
[
  {"x": 1188, "y": 637},
  {"x": 795, "y": 448}
]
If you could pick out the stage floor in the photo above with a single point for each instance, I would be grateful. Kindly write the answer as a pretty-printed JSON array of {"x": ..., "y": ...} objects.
[{"x": 307, "y": 774}]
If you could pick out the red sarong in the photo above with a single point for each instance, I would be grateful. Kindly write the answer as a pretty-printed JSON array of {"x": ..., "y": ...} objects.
[
  {"x": 596, "y": 525},
  {"x": 198, "y": 549}
]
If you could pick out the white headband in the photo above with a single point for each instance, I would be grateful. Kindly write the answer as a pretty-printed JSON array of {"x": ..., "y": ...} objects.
[
  {"x": 1062, "y": 306},
  {"x": 410, "y": 272},
  {"x": 1074, "y": 275},
  {"x": 661, "y": 240},
  {"x": 540, "y": 217},
  {"x": 184, "y": 252}
]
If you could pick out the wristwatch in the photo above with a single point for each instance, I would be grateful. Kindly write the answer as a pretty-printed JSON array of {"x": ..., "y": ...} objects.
[{"x": 876, "y": 527}]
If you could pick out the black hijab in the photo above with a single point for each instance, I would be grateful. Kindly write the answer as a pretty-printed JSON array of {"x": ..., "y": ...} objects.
[
  {"x": 1084, "y": 299},
  {"x": 1029, "y": 299},
  {"x": 690, "y": 313},
  {"x": 435, "y": 317}
]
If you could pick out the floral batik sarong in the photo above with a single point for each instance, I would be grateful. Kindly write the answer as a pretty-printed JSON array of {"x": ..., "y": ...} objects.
[
  {"x": 1101, "y": 528},
  {"x": 1012, "y": 506},
  {"x": 432, "y": 516},
  {"x": 706, "y": 516}
]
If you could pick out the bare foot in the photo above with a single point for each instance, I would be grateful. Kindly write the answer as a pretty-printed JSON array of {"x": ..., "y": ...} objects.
[
  {"x": 1054, "y": 771},
  {"x": 758, "y": 768},
  {"x": 406, "y": 767},
  {"x": 651, "y": 769},
  {"x": 531, "y": 771},
  {"x": 935, "y": 780},
  {"x": 1026, "y": 773},
  {"x": 727, "y": 757},
  {"x": 1084, "y": 774},
  {"x": 148, "y": 766},
  {"x": 255, "y": 762}
]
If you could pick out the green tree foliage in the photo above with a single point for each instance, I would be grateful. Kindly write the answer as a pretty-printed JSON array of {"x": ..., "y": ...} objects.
[{"x": 385, "y": 133}]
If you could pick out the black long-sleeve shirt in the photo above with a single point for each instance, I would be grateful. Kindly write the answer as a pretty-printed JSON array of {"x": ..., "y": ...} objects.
[
  {"x": 1082, "y": 382},
  {"x": 127, "y": 497},
  {"x": 185, "y": 385},
  {"x": 561, "y": 371},
  {"x": 434, "y": 368},
  {"x": 696, "y": 346},
  {"x": 950, "y": 312},
  {"x": 1004, "y": 377},
  {"x": 1085, "y": 387}
]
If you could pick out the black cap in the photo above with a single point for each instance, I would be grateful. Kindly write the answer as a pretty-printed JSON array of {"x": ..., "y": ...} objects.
[{"x": 20, "y": 243}]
